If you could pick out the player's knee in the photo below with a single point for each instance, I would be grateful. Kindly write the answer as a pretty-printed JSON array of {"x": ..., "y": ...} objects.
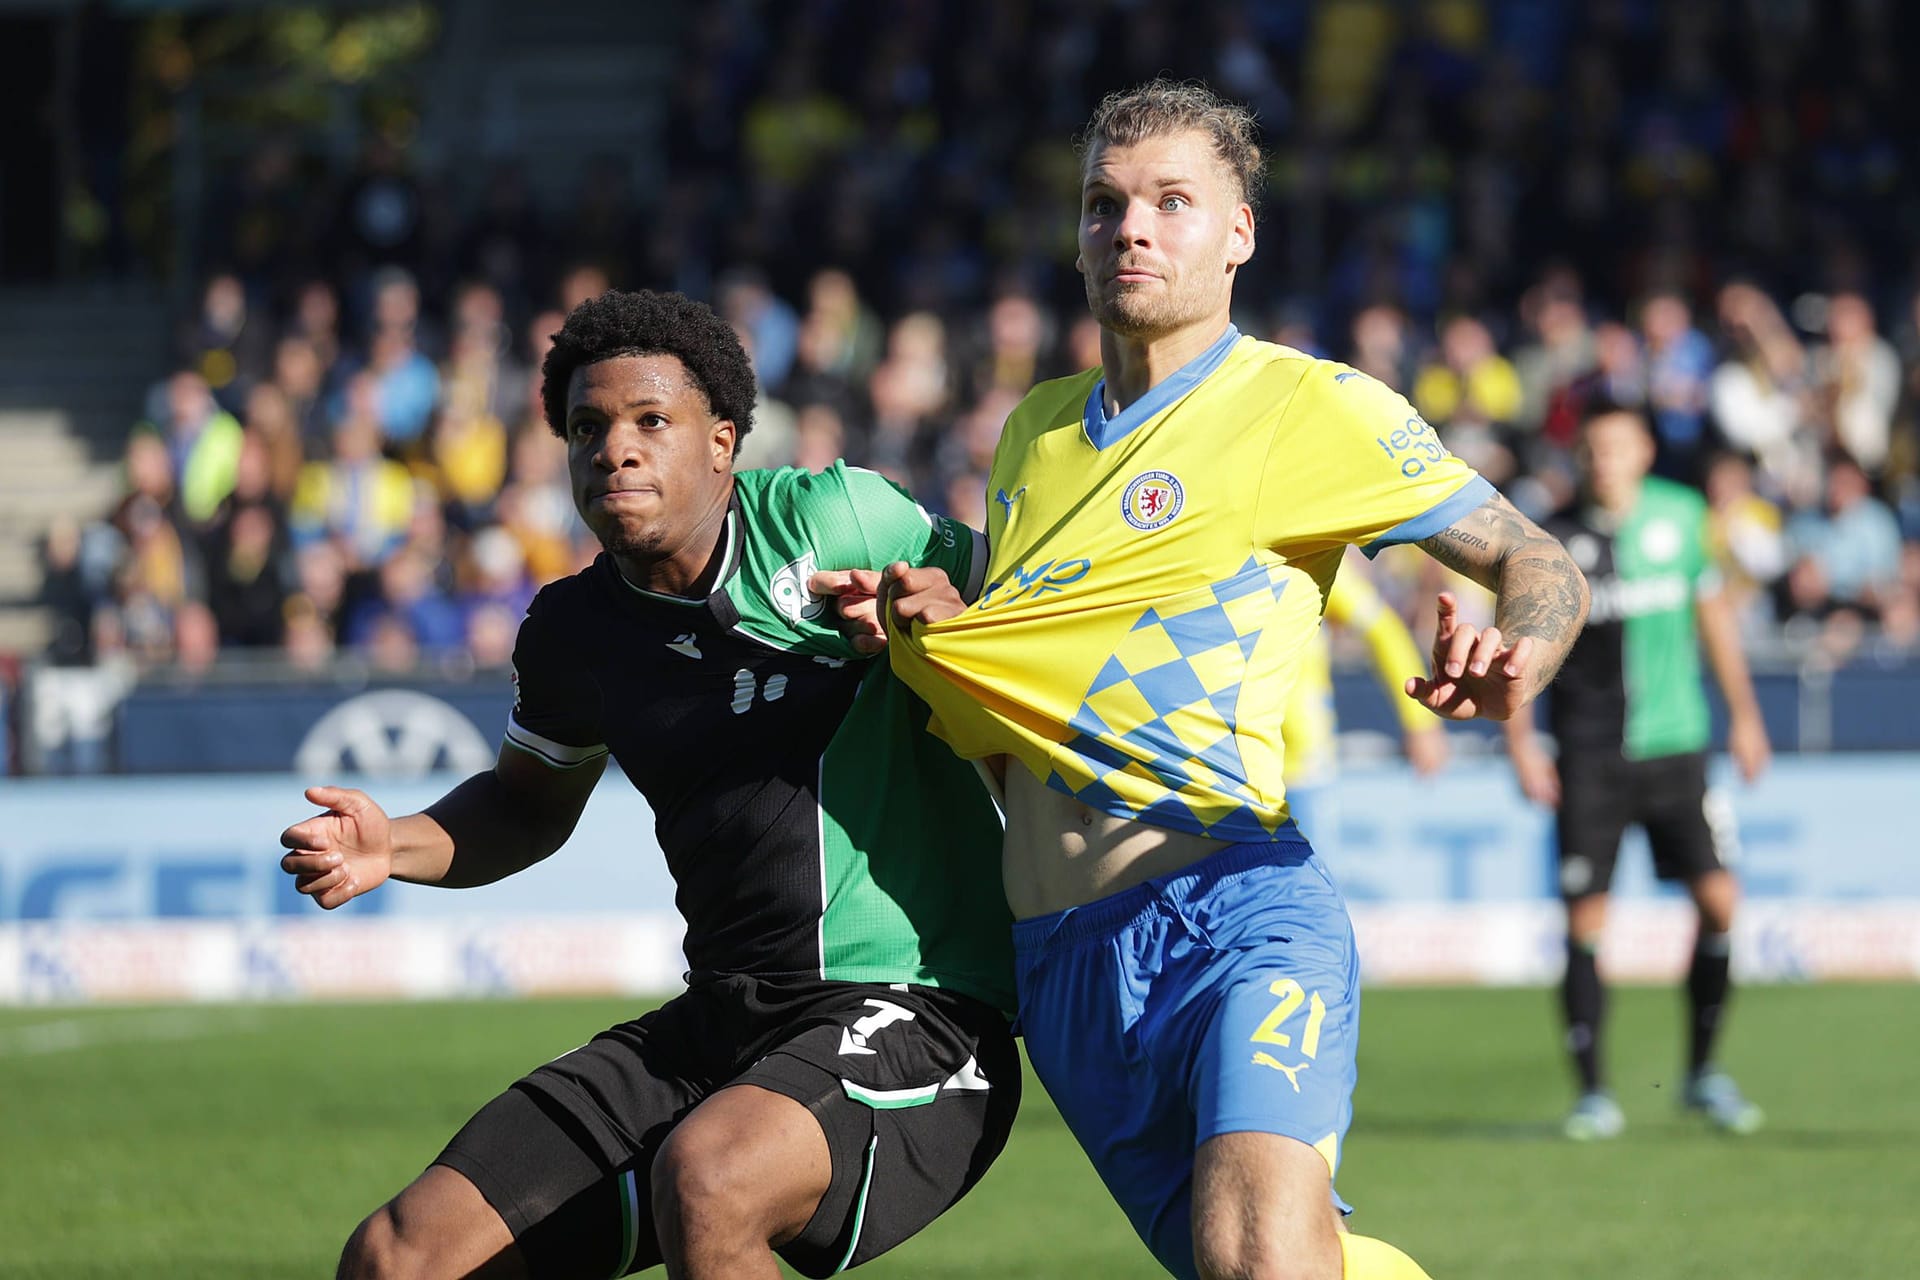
[
  {"x": 1716, "y": 896},
  {"x": 1246, "y": 1251},
  {"x": 377, "y": 1251},
  {"x": 697, "y": 1187}
]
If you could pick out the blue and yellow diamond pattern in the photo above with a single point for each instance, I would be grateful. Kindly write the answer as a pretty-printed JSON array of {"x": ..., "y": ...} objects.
[{"x": 1162, "y": 711}]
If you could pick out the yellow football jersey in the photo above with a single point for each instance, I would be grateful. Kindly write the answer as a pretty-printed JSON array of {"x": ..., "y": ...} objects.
[{"x": 1154, "y": 578}]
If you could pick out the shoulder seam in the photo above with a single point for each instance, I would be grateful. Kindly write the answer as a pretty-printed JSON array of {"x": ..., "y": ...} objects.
[
  {"x": 1266, "y": 459},
  {"x": 839, "y": 472}
]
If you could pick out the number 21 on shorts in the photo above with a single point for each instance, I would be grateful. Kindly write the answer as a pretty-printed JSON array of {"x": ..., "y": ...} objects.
[{"x": 1291, "y": 996}]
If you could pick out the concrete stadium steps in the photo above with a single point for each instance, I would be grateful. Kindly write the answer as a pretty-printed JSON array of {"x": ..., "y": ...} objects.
[
  {"x": 89, "y": 356},
  {"x": 74, "y": 371}
]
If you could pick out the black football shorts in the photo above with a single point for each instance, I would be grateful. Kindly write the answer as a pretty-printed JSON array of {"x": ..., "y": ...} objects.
[
  {"x": 1602, "y": 793},
  {"x": 915, "y": 1089}
]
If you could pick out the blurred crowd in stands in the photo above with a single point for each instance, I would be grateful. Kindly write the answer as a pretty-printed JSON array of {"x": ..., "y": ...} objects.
[{"x": 1505, "y": 210}]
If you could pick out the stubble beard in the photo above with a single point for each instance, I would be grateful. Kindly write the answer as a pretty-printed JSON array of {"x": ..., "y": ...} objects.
[
  {"x": 1132, "y": 313},
  {"x": 621, "y": 538},
  {"x": 633, "y": 544}
]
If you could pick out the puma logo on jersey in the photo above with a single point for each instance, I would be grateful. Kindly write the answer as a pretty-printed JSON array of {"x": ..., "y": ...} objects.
[
  {"x": 1007, "y": 502},
  {"x": 684, "y": 644},
  {"x": 1291, "y": 1073},
  {"x": 853, "y": 1039}
]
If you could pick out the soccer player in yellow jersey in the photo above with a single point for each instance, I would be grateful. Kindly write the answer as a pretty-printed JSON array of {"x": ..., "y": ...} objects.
[
  {"x": 1164, "y": 530},
  {"x": 1308, "y": 733}
]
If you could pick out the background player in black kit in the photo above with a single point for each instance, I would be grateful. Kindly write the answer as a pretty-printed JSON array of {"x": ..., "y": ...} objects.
[
  {"x": 1633, "y": 728},
  {"x": 840, "y": 1069}
]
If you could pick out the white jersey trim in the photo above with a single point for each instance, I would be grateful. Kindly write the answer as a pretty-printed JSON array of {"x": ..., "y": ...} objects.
[{"x": 556, "y": 754}]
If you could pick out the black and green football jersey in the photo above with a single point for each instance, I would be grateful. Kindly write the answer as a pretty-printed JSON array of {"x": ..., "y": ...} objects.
[
  {"x": 811, "y": 825},
  {"x": 1632, "y": 681}
]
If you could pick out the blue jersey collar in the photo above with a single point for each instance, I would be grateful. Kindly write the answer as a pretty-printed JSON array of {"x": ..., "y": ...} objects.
[{"x": 1103, "y": 431}]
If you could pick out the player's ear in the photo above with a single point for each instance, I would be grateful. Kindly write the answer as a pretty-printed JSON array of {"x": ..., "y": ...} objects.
[
  {"x": 724, "y": 444},
  {"x": 1240, "y": 235},
  {"x": 1079, "y": 265}
]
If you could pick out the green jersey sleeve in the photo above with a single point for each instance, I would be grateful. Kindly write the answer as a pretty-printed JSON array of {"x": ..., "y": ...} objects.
[{"x": 888, "y": 525}]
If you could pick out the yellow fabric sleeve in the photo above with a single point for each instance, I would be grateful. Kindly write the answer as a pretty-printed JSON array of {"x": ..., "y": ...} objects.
[
  {"x": 1351, "y": 462},
  {"x": 1354, "y": 603}
]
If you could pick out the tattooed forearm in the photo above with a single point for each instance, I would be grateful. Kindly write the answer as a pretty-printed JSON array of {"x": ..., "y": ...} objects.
[
  {"x": 1540, "y": 593},
  {"x": 1480, "y": 542},
  {"x": 1458, "y": 549},
  {"x": 1543, "y": 596}
]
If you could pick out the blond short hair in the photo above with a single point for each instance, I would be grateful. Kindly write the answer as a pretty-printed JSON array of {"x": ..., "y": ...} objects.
[{"x": 1163, "y": 106}]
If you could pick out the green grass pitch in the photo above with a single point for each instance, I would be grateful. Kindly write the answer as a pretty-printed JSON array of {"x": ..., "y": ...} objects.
[{"x": 247, "y": 1141}]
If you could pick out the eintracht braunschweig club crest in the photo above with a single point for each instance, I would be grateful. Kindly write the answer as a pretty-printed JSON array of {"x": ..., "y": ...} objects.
[{"x": 1152, "y": 500}]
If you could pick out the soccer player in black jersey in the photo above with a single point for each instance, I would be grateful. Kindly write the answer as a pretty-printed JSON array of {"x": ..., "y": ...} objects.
[
  {"x": 1632, "y": 723},
  {"x": 841, "y": 1068}
]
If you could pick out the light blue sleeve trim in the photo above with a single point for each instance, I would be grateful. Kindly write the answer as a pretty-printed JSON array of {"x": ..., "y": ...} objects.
[
  {"x": 1470, "y": 495},
  {"x": 1103, "y": 431}
]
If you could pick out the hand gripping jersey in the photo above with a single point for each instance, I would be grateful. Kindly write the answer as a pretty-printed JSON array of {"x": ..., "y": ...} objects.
[
  {"x": 1156, "y": 577},
  {"x": 1632, "y": 680},
  {"x": 811, "y": 825}
]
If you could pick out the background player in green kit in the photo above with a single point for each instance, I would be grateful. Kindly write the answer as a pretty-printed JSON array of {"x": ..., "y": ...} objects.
[
  {"x": 1632, "y": 723},
  {"x": 841, "y": 1068}
]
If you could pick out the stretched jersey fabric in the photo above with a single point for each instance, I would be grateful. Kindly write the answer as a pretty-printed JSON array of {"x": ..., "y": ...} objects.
[
  {"x": 1632, "y": 680},
  {"x": 810, "y": 824},
  {"x": 1310, "y": 726},
  {"x": 1156, "y": 577}
]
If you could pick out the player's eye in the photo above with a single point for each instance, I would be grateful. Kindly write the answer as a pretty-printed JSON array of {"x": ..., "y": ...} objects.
[
  {"x": 1101, "y": 206},
  {"x": 652, "y": 421},
  {"x": 1171, "y": 203},
  {"x": 582, "y": 429}
]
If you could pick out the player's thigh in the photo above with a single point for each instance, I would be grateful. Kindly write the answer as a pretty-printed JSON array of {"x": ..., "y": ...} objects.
[
  {"x": 1596, "y": 805},
  {"x": 569, "y": 1207},
  {"x": 1260, "y": 1207},
  {"x": 913, "y": 1112},
  {"x": 1686, "y": 831},
  {"x": 1082, "y": 1002},
  {"x": 564, "y": 1156},
  {"x": 1273, "y": 1064},
  {"x": 1278, "y": 1054}
]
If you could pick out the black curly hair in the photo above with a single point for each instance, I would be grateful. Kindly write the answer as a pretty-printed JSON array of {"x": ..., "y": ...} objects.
[{"x": 645, "y": 323}]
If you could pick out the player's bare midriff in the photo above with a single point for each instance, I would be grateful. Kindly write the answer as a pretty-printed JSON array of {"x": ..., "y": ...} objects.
[{"x": 1060, "y": 853}]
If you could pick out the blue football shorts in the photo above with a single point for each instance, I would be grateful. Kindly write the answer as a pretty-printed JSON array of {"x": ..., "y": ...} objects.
[{"x": 1222, "y": 998}]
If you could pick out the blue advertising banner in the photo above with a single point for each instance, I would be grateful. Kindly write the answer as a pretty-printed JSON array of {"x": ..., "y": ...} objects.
[
  {"x": 208, "y": 848},
  {"x": 168, "y": 888},
  {"x": 1834, "y": 828},
  {"x": 400, "y": 731},
  {"x": 1828, "y": 828},
  {"x": 412, "y": 728}
]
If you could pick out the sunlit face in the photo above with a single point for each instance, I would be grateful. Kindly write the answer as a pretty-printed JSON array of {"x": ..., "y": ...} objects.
[
  {"x": 649, "y": 460},
  {"x": 1616, "y": 452},
  {"x": 1162, "y": 230}
]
